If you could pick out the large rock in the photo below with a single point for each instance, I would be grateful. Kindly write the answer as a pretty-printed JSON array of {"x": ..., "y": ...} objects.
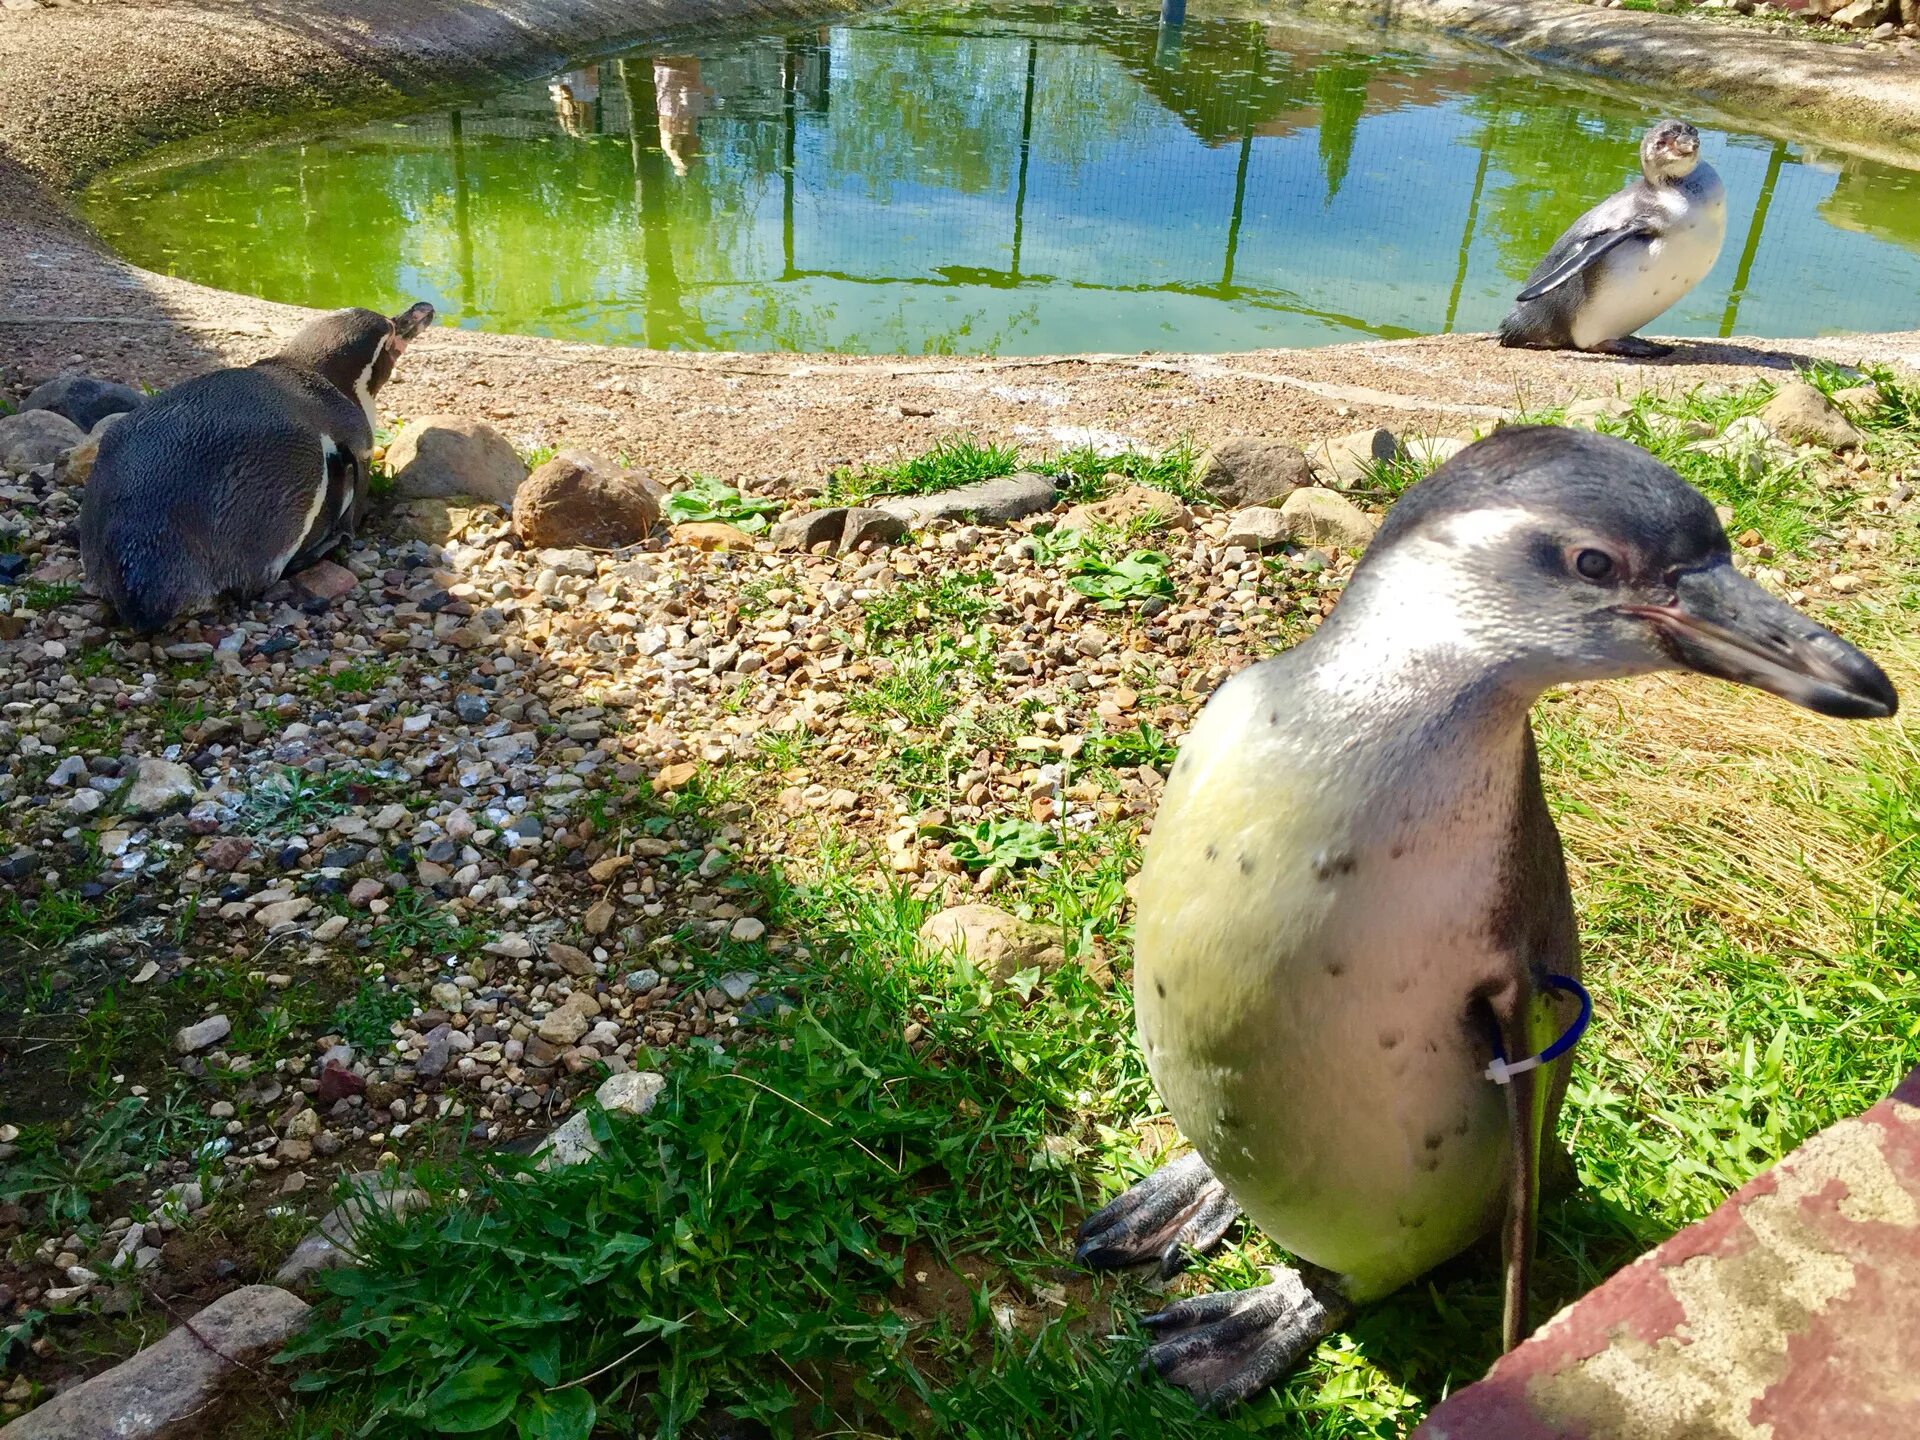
[
  {"x": 1865, "y": 14},
  {"x": 998, "y": 944},
  {"x": 162, "y": 1392},
  {"x": 159, "y": 788},
  {"x": 578, "y": 498},
  {"x": 1800, "y": 413},
  {"x": 82, "y": 399},
  {"x": 630, "y": 1094},
  {"x": 36, "y": 437},
  {"x": 1259, "y": 527},
  {"x": 444, "y": 455},
  {"x": 1792, "y": 1311},
  {"x": 1430, "y": 452},
  {"x": 1350, "y": 459},
  {"x": 331, "y": 1245},
  {"x": 1008, "y": 498},
  {"x": 1135, "y": 508},
  {"x": 1253, "y": 472},
  {"x": 810, "y": 528},
  {"x": 1322, "y": 517},
  {"x": 438, "y": 519},
  {"x": 866, "y": 525}
]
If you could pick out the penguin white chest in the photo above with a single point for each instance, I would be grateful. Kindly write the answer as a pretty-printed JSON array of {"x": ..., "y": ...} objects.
[
  {"x": 1303, "y": 977},
  {"x": 1641, "y": 280}
]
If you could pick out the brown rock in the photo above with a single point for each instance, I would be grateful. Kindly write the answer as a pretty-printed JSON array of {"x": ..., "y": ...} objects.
[
  {"x": 445, "y": 455},
  {"x": 711, "y": 535},
  {"x": 672, "y": 777},
  {"x": 570, "y": 958},
  {"x": 226, "y": 854},
  {"x": 160, "y": 1393},
  {"x": 1247, "y": 471},
  {"x": 582, "y": 500},
  {"x": 1135, "y": 507},
  {"x": 1801, "y": 414},
  {"x": 324, "y": 581},
  {"x": 76, "y": 465},
  {"x": 599, "y": 917},
  {"x": 337, "y": 1083}
]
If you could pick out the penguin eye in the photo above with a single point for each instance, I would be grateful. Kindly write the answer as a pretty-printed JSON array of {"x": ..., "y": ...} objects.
[{"x": 1594, "y": 565}]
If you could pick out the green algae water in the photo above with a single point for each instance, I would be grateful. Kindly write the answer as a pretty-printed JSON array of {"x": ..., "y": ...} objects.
[{"x": 1005, "y": 179}]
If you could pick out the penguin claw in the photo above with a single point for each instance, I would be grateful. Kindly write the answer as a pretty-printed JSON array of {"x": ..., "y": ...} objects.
[
  {"x": 1227, "y": 1347},
  {"x": 1178, "y": 1211}
]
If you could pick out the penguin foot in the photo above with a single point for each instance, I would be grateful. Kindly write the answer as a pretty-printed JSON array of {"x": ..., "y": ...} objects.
[
  {"x": 1632, "y": 347},
  {"x": 1225, "y": 1348},
  {"x": 1177, "y": 1212}
]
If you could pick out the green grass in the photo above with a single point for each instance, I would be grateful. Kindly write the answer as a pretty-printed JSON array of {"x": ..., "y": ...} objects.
[
  {"x": 963, "y": 599},
  {"x": 951, "y": 463},
  {"x": 280, "y": 804},
  {"x": 361, "y": 678},
  {"x": 365, "y": 1019},
  {"x": 1085, "y": 474},
  {"x": 38, "y": 595},
  {"x": 415, "y": 921}
]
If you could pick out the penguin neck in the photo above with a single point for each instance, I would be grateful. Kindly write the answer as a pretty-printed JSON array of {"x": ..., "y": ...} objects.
[{"x": 1414, "y": 645}]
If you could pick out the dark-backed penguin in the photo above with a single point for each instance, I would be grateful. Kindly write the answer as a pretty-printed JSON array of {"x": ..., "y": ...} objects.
[
  {"x": 1354, "y": 927},
  {"x": 223, "y": 484},
  {"x": 1630, "y": 258}
]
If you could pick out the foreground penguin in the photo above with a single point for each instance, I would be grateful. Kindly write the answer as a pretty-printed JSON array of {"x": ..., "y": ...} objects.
[
  {"x": 1355, "y": 942},
  {"x": 220, "y": 485},
  {"x": 1630, "y": 258}
]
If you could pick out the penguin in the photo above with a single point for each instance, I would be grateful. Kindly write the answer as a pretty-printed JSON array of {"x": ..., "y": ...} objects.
[
  {"x": 1628, "y": 259},
  {"x": 1356, "y": 969},
  {"x": 222, "y": 484}
]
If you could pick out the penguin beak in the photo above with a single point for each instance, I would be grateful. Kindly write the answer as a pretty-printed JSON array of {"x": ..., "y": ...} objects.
[
  {"x": 1720, "y": 623},
  {"x": 409, "y": 323}
]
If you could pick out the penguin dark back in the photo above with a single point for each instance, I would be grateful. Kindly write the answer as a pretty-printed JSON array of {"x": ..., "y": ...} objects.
[{"x": 225, "y": 483}]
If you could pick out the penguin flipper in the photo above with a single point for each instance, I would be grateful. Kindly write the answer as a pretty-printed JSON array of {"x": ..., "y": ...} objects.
[
  {"x": 1583, "y": 254},
  {"x": 1525, "y": 1019},
  {"x": 1177, "y": 1212}
]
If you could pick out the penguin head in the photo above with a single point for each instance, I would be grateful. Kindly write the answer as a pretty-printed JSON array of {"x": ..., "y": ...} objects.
[
  {"x": 356, "y": 349},
  {"x": 1541, "y": 556},
  {"x": 1669, "y": 151}
]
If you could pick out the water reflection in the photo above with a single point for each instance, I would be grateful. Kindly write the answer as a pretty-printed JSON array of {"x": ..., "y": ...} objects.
[{"x": 1003, "y": 178}]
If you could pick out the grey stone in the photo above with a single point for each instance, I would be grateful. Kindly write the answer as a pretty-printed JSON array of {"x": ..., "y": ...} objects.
[
  {"x": 815, "y": 527},
  {"x": 866, "y": 525},
  {"x": 160, "y": 787},
  {"x": 471, "y": 708},
  {"x": 1322, "y": 517},
  {"x": 331, "y": 1245},
  {"x": 82, "y": 399},
  {"x": 738, "y": 984},
  {"x": 36, "y": 437},
  {"x": 1008, "y": 498},
  {"x": 1800, "y": 413},
  {"x": 642, "y": 982},
  {"x": 1258, "y": 527},
  {"x": 1350, "y": 459},
  {"x": 202, "y": 1033},
  {"x": 446, "y": 455},
  {"x": 433, "y": 1060},
  {"x": 1247, "y": 471},
  {"x": 630, "y": 1094},
  {"x": 161, "y": 1392}
]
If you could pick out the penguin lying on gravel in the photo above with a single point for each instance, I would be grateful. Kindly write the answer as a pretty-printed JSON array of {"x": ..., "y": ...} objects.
[
  {"x": 1355, "y": 940},
  {"x": 222, "y": 484},
  {"x": 1630, "y": 258}
]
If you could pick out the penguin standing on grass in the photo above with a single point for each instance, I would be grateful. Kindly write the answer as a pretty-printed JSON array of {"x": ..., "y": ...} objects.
[
  {"x": 223, "y": 484},
  {"x": 1356, "y": 969},
  {"x": 1630, "y": 258}
]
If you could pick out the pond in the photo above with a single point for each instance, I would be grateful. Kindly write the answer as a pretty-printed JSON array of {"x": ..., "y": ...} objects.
[{"x": 1005, "y": 179}]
